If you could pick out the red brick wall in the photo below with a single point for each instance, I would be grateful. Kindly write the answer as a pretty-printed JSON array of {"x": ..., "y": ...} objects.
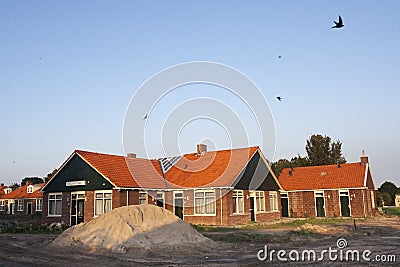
[{"x": 65, "y": 209}]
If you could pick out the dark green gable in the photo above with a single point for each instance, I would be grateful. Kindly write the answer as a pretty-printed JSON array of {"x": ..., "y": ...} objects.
[
  {"x": 77, "y": 170},
  {"x": 256, "y": 176}
]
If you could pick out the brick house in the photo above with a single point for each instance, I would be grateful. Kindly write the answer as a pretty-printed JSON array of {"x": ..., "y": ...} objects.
[
  {"x": 345, "y": 190},
  {"x": 207, "y": 187},
  {"x": 24, "y": 200}
]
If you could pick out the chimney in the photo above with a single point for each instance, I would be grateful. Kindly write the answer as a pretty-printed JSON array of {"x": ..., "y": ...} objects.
[
  {"x": 1, "y": 184},
  {"x": 364, "y": 159},
  {"x": 131, "y": 155},
  {"x": 201, "y": 148}
]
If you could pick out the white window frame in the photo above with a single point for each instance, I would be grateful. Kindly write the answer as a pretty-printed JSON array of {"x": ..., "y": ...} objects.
[
  {"x": 259, "y": 198},
  {"x": 103, "y": 199},
  {"x": 178, "y": 197},
  {"x": 273, "y": 201},
  {"x": 20, "y": 205},
  {"x": 319, "y": 193},
  {"x": 7, "y": 190},
  {"x": 343, "y": 193},
  {"x": 39, "y": 204},
  {"x": 56, "y": 198},
  {"x": 145, "y": 198},
  {"x": 29, "y": 189},
  {"x": 207, "y": 199},
  {"x": 2, "y": 205},
  {"x": 238, "y": 202}
]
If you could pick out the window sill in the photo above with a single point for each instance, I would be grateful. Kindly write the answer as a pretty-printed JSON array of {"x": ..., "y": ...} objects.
[{"x": 54, "y": 215}]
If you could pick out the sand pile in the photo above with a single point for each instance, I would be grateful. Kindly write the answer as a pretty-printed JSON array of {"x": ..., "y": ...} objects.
[
  {"x": 322, "y": 229},
  {"x": 132, "y": 227}
]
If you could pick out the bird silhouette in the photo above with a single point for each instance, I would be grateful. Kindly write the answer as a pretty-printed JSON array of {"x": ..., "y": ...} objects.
[
  {"x": 145, "y": 117},
  {"x": 338, "y": 24},
  {"x": 279, "y": 98}
]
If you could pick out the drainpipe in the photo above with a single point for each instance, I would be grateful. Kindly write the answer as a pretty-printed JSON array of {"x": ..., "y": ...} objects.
[
  {"x": 220, "y": 201},
  {"x": 127, "y": 197},
  {"x": 363, "y": 202}
]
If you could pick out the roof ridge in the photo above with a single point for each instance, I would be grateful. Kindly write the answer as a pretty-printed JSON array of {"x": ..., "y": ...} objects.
[{"x": 321, "y": 166}]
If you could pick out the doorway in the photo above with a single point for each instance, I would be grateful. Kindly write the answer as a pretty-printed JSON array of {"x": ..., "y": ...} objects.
[
  {"x": 10, "y": 208},
  {"x": 178, "y": 204},
  {"x": 285, "y": 204},
  {"x": 252, "y": 210},
  {"x": 29, "y": 207},
  {"x": 319, "y": 203},
  {"x": 344, "y": 203},
  {"x": 77, "y": 208},
  {"x": 160, "y": 199}
]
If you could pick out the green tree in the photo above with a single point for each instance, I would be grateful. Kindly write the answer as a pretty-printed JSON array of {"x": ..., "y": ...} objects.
[
  {"x": 391, "y": 189},
  {"x": 31, "y": 180},
  {"x": 279, "y": 165},
  {"x": 50, "y": 175},
  {"x": 14, "y": 186},
  {"x": 321, "y": 151}
]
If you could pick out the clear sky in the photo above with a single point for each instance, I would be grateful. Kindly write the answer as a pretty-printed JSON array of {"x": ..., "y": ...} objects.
[{"x": 70, "y": 68}]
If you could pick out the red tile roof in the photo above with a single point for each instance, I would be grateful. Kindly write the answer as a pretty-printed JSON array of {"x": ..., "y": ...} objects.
[
  {"x": 22, "y": 193},
  {"x": 350, "y": 175},
  {"x": 211, "y": 169},
  {"x": 123, "y": 171}
]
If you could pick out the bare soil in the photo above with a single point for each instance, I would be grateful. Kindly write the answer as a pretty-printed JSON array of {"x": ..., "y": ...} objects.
[{"x": 236, "y": 247}]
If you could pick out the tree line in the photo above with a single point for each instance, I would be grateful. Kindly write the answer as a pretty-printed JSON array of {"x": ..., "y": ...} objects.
[
  {"x": 33, "y": 180},
  {"x": 320, "y": 151}
]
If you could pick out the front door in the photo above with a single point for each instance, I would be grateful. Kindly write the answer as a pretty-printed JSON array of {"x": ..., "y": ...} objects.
[
  {"x": 252, "y": 211},
  {"x": 344, "y": 203},
  {"x": 320, "y": 204},
  {"x": 285, "y": 205},
  {"x": 10, "y": 208},
  {"x": 77, "y": 207},
  {"x": 29, "y": 208},
  {"x": 178, "y": 204}
]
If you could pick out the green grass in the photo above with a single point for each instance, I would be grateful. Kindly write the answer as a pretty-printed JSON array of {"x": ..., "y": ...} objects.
[
  {"x": 391, "y": 211},
  {"x": 241, "y": 237},
  {"x": 206, "y": 228},
  {"x": 297, "y": 223}
]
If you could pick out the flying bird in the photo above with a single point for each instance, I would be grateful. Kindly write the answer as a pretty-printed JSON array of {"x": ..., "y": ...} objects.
[
  {"x": 338, "y": 24},
  {"x": 145, "y": 117},
  {"x": 279, "y": 98}
]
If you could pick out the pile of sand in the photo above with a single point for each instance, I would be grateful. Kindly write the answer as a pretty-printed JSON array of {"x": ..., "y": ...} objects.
[
  {"x": 132, "y": 227},
  {"x": 322, "y": 229}
]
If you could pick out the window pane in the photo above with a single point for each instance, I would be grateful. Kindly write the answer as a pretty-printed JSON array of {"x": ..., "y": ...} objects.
[
  {"x": 58, "y": 208},
  {"x": 107, "y": 195},
  {"x": 199, "y": 194},
  {"x": 199, "y": 205},
  {"x": 107, "y": 205},
  {"x": 98, "y": 207},
  {"x": 99, "y": 195}
]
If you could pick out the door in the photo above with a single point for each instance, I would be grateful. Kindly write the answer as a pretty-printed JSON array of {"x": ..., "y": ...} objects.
[
  {"x": 77, "y": 208},
  {"x": 10, "y": 208},
  {"x": 344, "y": 203},
  {"x": 29, "y": 208},
  {"x": 178, "y": 204},
  {"x": 252, "y": 211},
  {"x": 320, "y": 204},
  {"x": 285, "y": 206}
]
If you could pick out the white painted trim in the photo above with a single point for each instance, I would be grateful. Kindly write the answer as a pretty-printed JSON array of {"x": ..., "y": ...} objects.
[
  {"x": 323, "y": 189},
  {"x": 315, "y": 200},
  {"x": 340, "y": 202},
  {"x": 366, "y": 175},
  {"x": 194, "y": 202},
  {"x": 183, "y": 202},
  {"x": 94, "y": 202},
  {"x": 269, "y": 168},
  {"x": 48, "y": 206},
  {"x": 242, "y": 194}
]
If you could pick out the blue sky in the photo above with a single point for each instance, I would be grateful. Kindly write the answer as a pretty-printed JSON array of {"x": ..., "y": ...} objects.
[{"x": 70, "y": 68}]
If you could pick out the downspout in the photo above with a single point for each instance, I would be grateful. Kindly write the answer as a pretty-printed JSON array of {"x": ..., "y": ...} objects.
[
  {"x": 363, "y": 201},
  {"x": 220, "y": 201},
  {"x": 127, "y": 197}
]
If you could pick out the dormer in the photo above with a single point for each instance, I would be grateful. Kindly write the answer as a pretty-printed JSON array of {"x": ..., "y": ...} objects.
[
  {"x": 7, "y": 190},
  {"x": 30, "y": 189}
]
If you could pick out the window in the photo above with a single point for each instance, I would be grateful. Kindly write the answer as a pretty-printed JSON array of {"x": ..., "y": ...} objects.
[
  {"x": 20, "y": 206},
  {"x": 2, "y": 205},
  {"x": 238, "y": 203},
  {"x": 39, "y": 204},
  {"x": 29, "y": 189},
  {"x": 260, "y": 201},
  {"x": 7, "y": 190},
  {"x": 142, "y": 197},
  {"x": 204, "y": 202},
  {"x": 55, "y": 204},
  {"x": 102, "y": 202},
  {"x": 160, "y": 199},
  {"x": 273, "y": 201}
]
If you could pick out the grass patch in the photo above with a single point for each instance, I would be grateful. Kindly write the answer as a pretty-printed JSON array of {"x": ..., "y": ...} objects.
[
  {"x": 29, "y": 228},
  {"x": 241, "y": 237},
  {"x": 204, "y": 228},
  {"x": 297, "y": 223},
  {"x": 392, "y": 211}
]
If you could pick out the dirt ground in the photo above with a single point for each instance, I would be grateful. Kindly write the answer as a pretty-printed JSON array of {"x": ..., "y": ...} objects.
[{"x": 232, "y": 247}]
